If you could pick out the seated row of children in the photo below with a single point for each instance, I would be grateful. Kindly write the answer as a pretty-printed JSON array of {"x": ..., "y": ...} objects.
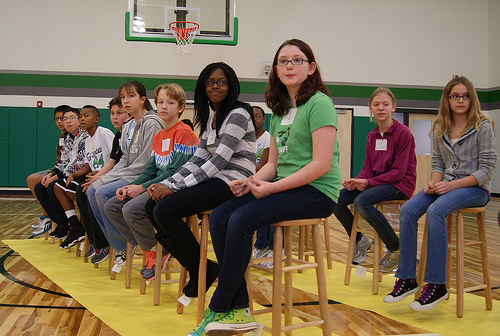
[{"x": 166, "y": 174}]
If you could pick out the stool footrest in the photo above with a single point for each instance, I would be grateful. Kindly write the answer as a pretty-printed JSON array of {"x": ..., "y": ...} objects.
[{"x": 468, "y": 289}]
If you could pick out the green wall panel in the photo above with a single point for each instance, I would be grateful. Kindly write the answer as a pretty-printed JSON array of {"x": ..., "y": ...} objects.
[
  {"x": 4, "y": 146},
  {"x": 361, "y": 126},
  {"x": 22, "y": 144},
  {"x": 47, "y": 137}
]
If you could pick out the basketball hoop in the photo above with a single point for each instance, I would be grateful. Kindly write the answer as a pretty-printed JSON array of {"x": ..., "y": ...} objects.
[{"x": 184, "y": 32}]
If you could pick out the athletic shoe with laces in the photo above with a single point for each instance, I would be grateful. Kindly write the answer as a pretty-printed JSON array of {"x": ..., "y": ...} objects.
[
  {"x": 258, "y": 253},
  {"x": 90, "y": 252},
  {"x": 389, "y": 261},
  {"x": 47, "y": 225},
  {"x": 432, "y": 294},
  {"x": 148, "y": 271},
  {"x": 209, "y": 316},
  {"x": 41, "y": 222},
  {"x": 121, "y": 256},
  {"x": 59, "y": 232},
  {"x": 75, "y": 235},
  {"x": 360, "y": 249},
  {"x": 267, "y": 254},
  {"x": 100, "y": 255},
  {"x": 236, "y": 321},
  {"x": 402, "y": 289}
]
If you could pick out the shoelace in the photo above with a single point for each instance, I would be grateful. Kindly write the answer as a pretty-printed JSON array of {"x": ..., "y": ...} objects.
[
  {"x": 398, "y": 286},
  {"x": 429, "y": 289}
]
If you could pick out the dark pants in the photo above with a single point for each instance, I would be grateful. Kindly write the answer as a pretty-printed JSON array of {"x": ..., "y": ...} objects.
[
  {"x": 364, "y": 203},
  {"x": 232, "y": 225},
  {"x": 166, "y": 215},
  {"x": 50, "y": 204},
  {"x": 90, "y": 225}
]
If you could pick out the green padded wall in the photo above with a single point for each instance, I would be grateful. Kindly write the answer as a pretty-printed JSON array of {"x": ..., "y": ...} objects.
[
  {"x": 361, "y": 126},
  {"x": 28, "y": 141},
  {"x": 4, "y": 146}
]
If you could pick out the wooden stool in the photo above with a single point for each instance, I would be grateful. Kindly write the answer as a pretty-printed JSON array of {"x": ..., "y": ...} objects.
[
  {"x": 288, "y": 269},
  {"x": 202, "y": 273},
  {"x": 86, "y": 246},
  {"x": 458, "y": 244},
  {"x": 378, "y": 248},
  {"x": 158, "y": 272},
  {"x": 304, "y": 250},
  {"x": 129, "y": 265}
]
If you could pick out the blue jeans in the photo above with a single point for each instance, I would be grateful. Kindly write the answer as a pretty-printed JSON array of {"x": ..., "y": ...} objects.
[
  {"x": 265, "y": 238},
  {"x": 437, "y": 207},
  {"x": 364, "y": 203},
  {"x": 97, "y": 199},
  {"x": 232, "y": 225}
]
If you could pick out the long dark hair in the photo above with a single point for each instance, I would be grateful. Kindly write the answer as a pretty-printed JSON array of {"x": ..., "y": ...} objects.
[
  {"x": 276, "y": 94},
  {"x": 141, "y": 91},
  {"x": 202, "y": 104}
]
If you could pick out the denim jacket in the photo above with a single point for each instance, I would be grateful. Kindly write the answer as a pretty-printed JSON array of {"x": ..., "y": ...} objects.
[{"x": 473, "y": 154}]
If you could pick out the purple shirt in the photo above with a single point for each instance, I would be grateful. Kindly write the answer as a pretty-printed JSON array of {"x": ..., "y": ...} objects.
[{"x": 396, "y": 164}]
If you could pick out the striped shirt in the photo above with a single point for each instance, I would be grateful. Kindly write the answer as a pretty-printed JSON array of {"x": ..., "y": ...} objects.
[{"x": 229, "y": 156}]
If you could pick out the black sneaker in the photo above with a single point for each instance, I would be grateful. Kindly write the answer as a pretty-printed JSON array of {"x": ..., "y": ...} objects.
[
  {"x": 59, "y": 232},
  {"x": 432, "y": 294},
  {"x": 90, "y": 252},
  {"x": 100, "y": 255},
  {"x": 402, "y": 289},
  {"x": 75, "y": 235}
]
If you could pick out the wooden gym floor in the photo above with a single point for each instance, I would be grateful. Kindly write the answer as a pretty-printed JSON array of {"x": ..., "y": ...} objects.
[{"x": 31, "y": 304}]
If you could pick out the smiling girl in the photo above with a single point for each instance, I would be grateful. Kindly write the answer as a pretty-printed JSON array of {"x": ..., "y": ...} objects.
[
  {"x": 226, "y": 152},
  {"x": 463, "y": 159},
  {"x": 300, "y": 180},
  {"x": 137, "y": 138},
  {"x": 389, "y": 173}
]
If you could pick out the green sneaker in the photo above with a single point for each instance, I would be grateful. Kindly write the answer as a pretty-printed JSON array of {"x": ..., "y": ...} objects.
[
  {"x": 235, "y": 321},
  {"x": 208, "y": 316}
]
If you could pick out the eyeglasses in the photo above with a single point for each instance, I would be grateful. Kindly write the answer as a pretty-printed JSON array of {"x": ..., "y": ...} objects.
[
  {"x": 70, "y": 118},
  {"x": 294, "y": 61},
  {"x": 257, "y": 116},
  {"x": 457, "y": 97},
  {"x": 58, "y": 119},
  {"x": 220, "y": 82}
]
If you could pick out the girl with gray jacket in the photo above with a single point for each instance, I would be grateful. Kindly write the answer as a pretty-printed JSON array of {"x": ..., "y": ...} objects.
[
  {"x": 463, "y": 159},
  {"x": 136, "y": 141}
]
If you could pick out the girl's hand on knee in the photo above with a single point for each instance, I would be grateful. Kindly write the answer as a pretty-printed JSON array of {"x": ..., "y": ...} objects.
[{"x": 239, "y": 187}]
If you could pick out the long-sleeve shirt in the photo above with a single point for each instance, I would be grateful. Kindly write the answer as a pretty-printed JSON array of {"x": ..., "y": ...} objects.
[
  {"x": 171, "y": 149},
  {"x": 72, "y": 154},
  {"x": 390, "y": 159},
  {"x": 228, "y": 156},
  {"x": 472, "y": 154},
  {"x": 136, "y": 147}
]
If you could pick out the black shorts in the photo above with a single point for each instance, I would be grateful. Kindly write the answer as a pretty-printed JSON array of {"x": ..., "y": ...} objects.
[{"x": 61, "y": 183}]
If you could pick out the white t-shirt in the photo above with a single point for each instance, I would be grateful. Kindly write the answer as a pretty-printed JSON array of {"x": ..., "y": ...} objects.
[
  {"x": 98, "y": 147},
  {"x": 263, "y": 142}
]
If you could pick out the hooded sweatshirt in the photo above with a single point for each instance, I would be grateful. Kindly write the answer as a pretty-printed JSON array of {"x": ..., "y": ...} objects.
[{"x": 136, "y": 152}]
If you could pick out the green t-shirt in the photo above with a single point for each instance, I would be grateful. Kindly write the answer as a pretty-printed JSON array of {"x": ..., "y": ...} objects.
[{"x": 292, "y": 134}]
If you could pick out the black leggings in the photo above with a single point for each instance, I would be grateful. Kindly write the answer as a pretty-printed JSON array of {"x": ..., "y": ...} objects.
[{"x": 166, "y": 214}]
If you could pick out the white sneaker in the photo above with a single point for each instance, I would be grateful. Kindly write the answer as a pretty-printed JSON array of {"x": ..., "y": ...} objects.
[
  {"x": 40, "y": 223},
  {"x": 360, "y": 250},
  {"x": 258, "y": 253},
  {"x": 267, "y": 254}
]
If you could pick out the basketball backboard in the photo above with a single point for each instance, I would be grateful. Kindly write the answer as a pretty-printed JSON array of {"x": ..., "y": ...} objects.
[{"x": 148, "y": 20}]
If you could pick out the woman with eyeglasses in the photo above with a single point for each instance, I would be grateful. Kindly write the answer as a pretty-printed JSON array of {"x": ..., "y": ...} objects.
[
  {"x": 226, "y": 152},
  {"x": 463, "y": 159},
  {"x": 300, "y": 180}
]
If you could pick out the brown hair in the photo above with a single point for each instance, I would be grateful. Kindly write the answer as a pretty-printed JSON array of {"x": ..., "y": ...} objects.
[{"x": 276, "y": 94}]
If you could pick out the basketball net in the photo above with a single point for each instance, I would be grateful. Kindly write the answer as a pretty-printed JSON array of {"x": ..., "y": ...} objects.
[{"x": 184, "y": 32}]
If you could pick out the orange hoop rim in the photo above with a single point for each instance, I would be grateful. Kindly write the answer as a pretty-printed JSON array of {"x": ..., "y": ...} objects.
[{"x": 196, "y": 26}]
